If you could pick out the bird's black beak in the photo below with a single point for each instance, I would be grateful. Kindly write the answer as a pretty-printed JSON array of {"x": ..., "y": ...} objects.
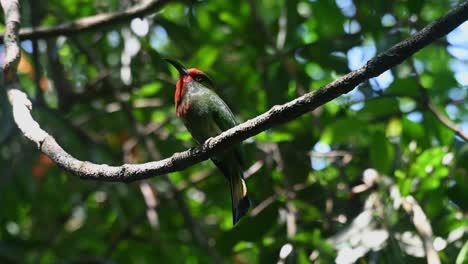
[{"x": 178, "y": 66}]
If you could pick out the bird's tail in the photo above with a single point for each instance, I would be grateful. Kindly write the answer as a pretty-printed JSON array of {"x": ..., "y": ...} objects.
[{"x": 240, "y": 200}]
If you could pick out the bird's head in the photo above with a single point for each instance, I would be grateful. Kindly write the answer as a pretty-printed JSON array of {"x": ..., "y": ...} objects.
[{"x": 187, "y": 76}]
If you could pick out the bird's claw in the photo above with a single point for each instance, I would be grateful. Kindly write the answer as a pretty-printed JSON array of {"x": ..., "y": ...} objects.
[{"x": 209, "y": 141}]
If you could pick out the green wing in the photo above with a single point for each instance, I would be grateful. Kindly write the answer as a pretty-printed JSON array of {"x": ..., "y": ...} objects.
[{"x": 224, "y": 119}]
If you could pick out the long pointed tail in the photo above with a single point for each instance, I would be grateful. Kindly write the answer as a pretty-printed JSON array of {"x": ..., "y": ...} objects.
[{"x": 240, "y": 200}]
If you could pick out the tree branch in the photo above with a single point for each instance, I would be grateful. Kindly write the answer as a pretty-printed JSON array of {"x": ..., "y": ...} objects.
[
  {"x": 429, "y": 105},
  {"x": 423, "y": 227},
  {"x": 276, "y": 115},
  {"x": 446, "y": 121},
  {"x": 92, "y": 22}
]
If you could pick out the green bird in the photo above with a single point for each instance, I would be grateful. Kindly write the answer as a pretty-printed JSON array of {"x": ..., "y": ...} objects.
[{"x": 206, "y": 115}]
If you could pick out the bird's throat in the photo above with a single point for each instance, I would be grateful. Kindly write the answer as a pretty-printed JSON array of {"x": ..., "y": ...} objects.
[{"x": 180, "y": 88}]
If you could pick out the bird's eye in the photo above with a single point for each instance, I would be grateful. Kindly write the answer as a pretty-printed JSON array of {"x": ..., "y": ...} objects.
[{"x": 198, "y": 78}]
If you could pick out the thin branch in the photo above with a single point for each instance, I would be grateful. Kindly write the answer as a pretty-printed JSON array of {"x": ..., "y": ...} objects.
[
  {"x": 58, "y": 77},
  {"x": 423, "y": 227},
  {"x": 446, "y": 122},
  {"x": 194, "y": 180},
  {"x": 276, "y": 115},
  {"x": 429, "y": 105},
  {"x": 92, "y": 22}
]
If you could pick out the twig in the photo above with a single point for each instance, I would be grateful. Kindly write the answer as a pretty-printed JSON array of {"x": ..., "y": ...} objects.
[
  {"x": 194, "y": 179},
  {"x": 264, "y": 204},
  {"x": 276, "y": 115},
  {"x": 429, "y": 105},
  {"x": 282, "y": 29},
  {"x": 92, "y": 22},
  {"x": 58, "y": 76},
  {"x": 447, "y": 122},
  {"x": 254, "y": 168}
]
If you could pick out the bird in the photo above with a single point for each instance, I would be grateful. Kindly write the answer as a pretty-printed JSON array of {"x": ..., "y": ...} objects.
[{"x": 206, "y": 115}]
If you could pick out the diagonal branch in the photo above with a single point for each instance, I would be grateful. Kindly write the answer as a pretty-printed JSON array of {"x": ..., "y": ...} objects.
[
  {"x": 276, "y": 115},
  {"x": 446, "y": 121},
  {"x": 423, "y": 227},
  {"x": 429, "y": 105},
  {"x": 92, "y": 22}
]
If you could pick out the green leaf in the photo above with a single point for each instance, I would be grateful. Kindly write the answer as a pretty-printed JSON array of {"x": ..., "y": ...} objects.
[
  {"x": 205, "y": 57},
  {"x": 381, "y": 153},
  {"x": 405, "y": 186},
  {"x": 379, "y": 107},
  {"x": 343, "y": 130},
  {"x": 394, "y": 128},
  {"x": 403, "y": 87},
  {"x": 184, "y": 136},
  {"x": 458, "y": 190},
  {"x": 463, "y": 255},
  {"x": 435, "y": 127},
  {"x": 149, "y": 90}
]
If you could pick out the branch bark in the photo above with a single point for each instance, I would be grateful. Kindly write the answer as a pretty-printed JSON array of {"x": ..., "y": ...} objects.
[
  {"x": 423, "y": 227},
  {"x": 92, "y": 22},
  {"x": 276, "y": 115}
]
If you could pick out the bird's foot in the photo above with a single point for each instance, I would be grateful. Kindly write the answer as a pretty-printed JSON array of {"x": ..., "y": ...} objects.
[{"x": 209, "y": 142}]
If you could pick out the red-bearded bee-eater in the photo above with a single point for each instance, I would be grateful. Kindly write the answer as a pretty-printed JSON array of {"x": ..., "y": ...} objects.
[{"x": 206, "y": 115}]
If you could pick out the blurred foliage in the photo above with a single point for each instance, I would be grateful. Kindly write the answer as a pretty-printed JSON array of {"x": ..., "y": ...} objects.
[{"x": 109, "y": 99}]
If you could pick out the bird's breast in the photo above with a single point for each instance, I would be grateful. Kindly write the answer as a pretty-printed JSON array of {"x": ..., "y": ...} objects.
[{"x": 183, "y": 108}]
